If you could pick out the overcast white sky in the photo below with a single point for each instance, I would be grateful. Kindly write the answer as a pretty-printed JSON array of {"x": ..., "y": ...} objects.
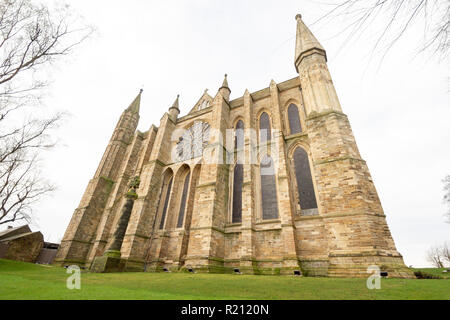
[{"x": 399, "y": 113}]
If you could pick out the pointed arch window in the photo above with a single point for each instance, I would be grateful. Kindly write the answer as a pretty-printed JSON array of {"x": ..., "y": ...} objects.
[
  {"x": 269, "y": 202},
  {"x": 265, "y": 133},
  {"x": 305, "y": 186},
  {"x": 183, "y": 201},
  {"x": 294, "y": 119},
  {"x": 238, "y": 178},
  {"x": 166, "y": 204},
  {"x": 204, "y": 105},
  {"x": 239, "y": 135}
]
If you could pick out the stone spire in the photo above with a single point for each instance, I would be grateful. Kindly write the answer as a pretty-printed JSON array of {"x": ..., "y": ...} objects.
[
  {"x": 318, "y": 90},
  {"x": 224, "y": 89},
  {"x": 306, "y": 44},
  {"x": 136, "y": 104},
  {"x": 225, "y": 82},
  {"x": 174, "y": 110}
]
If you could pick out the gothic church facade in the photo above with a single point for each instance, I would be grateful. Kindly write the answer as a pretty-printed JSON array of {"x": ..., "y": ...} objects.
[{"x": 316, "y": 211}]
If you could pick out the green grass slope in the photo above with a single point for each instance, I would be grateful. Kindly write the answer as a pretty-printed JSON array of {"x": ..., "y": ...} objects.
[
  {"x": 435, "y": 272},
  {"x": 28, "y": 281}
]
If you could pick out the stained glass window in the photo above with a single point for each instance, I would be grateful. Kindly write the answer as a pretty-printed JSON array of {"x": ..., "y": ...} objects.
[
  {"x": 239, "y": 135},
  {"x": 294, "y": 119},
  {"x": 268, "y": 189},
  {"x": 166, "y": 204},
  {"x": 204, "y": 105},
  {"x": 237, "y": 193},
  {"x": 193, "y": 141},
  {"x": 183, "y": 201},
  {"x": 265, "y": 133},
  {"x": 306, "y": 194}
]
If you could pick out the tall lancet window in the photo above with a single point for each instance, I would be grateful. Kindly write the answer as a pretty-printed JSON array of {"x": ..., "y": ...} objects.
[
  {"x": 238, "y": 174},
  {"x": 306, "y": 194},
  {"x": 183, "y": 201},
  {"x": 166, "y": 204},
  {"x": 294, "y": 119},
  {"x": 239, "y": 135},
  {"x": 238, "y": 178},
  {"x": 269, "y": 200},
  {"x": 265, "y": 133}
]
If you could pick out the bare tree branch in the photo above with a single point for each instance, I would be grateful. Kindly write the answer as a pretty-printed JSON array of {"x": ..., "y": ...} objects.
[
  {"x": 434, "y": 256},
  {"x": 446, "y": 252},
  {"x": 395, "y": 18},
  {"x": 32, "y": 37},
  {"x": 446, "y": 182}
]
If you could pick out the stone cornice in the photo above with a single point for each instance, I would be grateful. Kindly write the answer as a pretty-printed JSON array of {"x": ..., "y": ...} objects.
[
  {"x": 318, "y": 163},
  {"x": 194, "y": 114},
  {"x": 339, "y": 215},
  {"x": 264, "y": 93},
  {"x": 308, "y": 53},
  {"x": 157, "y": 161},
  {"x": 295, "y": 136},
  {"x": 316, "y": 115}
]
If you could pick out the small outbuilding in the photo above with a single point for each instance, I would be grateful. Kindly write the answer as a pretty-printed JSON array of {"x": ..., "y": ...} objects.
[{"x": 22, "y": 244}]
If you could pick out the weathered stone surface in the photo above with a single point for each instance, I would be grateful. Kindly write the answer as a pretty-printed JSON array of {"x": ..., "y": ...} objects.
[
  {"x": 107, "y": 264},
  {"x": 23, "y": 247},
  {"x": 14, "y": 232},
  {"x": 340, "y": 230}
]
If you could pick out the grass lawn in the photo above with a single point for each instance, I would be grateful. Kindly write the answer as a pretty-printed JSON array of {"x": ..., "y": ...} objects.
[
  {"x": 28, "y": 281},
  {"x": 435, "y": 272}
]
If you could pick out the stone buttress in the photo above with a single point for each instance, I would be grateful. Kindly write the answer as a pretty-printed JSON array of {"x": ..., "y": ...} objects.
[
  {"x": 321, "y": 214},
  {"x": 83, "y": 236},
  {"x": 354, "y": 221}
]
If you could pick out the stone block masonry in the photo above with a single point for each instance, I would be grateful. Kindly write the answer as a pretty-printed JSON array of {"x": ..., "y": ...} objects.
[{"x": 196, "y": 211}]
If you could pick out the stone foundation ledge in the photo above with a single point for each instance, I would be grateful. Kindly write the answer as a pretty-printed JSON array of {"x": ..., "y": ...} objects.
[
  {"x": 356, "y": 265},
  {"x": 107, "y": 264},
  {"x": 246, "y": 266},
  {"x": 111, "y": 264},
  {"x": 366, "y": 253},
  {"x": 65, "y": 262},
  {"x": 342, "y": 267},
  {"x": 242, "y": 270},
  {"x": 394, "y": 271},
  {"x": 315, "y": 267},
  {"x": 216, "y": 265}
]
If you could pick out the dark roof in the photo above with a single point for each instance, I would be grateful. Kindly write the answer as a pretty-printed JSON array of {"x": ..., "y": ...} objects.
[
  {"x": 14, "y": 231},
  {"x": 18, "y": 236}
]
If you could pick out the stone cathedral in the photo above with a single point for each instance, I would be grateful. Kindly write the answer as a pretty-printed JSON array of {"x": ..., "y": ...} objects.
[{"x": 302, "y": 203}]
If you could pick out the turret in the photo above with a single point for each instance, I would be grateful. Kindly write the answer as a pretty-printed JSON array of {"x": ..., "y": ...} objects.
[
  {"x": 82, "y": 229},
  {"x": 136, "y": 104},
  {"x": 123, "y": 134},
  {"x": 174, "y": 110},
  {"x": 306, "y": 43},
  {"x": 225, "y": 90},
  {"x": 311, "y": 63}
]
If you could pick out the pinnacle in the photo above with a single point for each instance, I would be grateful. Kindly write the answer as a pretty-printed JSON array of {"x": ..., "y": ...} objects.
[
  {"x": 225, "y": 82},
  {"x": 247, "y": 95},
  {"x": 306, "y": 41},
  {"x": 176, "y": 103},
  {"x": 136, "y": 104}
]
